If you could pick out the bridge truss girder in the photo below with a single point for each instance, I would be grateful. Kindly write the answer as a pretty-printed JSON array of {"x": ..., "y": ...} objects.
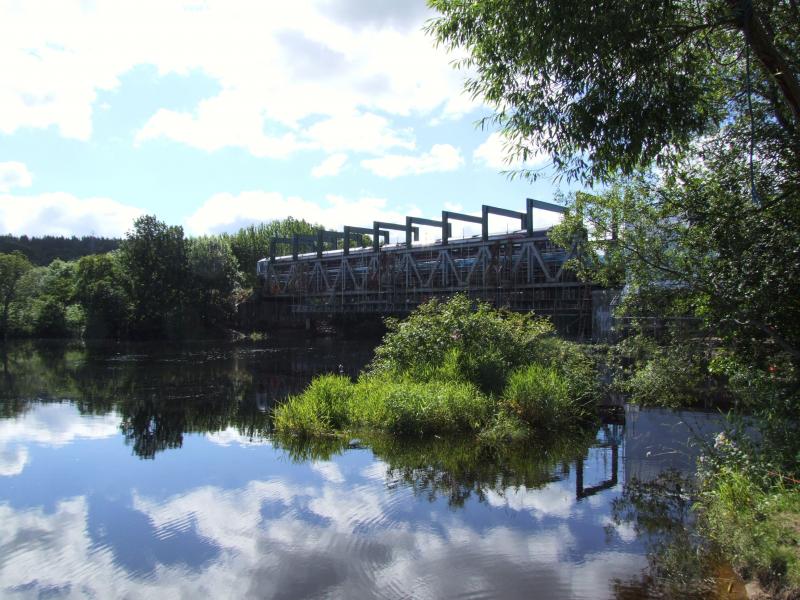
[{"x": 519, "y": 271}]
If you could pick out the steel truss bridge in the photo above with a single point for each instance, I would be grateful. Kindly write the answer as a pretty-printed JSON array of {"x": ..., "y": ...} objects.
[{"x": 522, "y": 269}]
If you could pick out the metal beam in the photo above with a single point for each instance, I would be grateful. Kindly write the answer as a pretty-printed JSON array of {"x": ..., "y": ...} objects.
[
  {"x": 410, "y": 221},
  {"x": 349, "y": 229},
  {"x": 329, "y": 236},
  {"x": 531, "y": 204},
  {"x": 503, "y": 212},
  {"x": 447, "y": 215},
  {"x": 377, "y": 225}
]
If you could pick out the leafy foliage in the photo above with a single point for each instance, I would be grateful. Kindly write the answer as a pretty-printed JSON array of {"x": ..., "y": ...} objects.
[
  {"x": 479, "y": 343},
  {"x": 441, "y": 371},
  {"x": 12, "y": 267},
  {"x": 100, "y": 289},
  {"x": 154, "y": 258},
  {"x": 215, "y": 278},
  {"x": 610, "y": 86},
  {"x": 751, "y": 512}
]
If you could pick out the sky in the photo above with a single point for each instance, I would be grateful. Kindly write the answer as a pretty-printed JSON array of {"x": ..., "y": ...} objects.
[{"x": 220, "y": 113}]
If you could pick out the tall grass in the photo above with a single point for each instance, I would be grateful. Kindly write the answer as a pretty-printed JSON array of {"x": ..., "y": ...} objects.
[
  {"x": 540, "y": 396},
  {"x": 379, "y": 402},
  {"x": 756, "y": 527}
]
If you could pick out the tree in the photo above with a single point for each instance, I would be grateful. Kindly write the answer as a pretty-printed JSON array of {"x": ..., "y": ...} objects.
[
  {"x": 53, "y": 297},
  {"x": 153, "y": 258},
  {"x": 250, "y": 244},
  {"x": 215, "y": 277},
  {"x": 12, "y": 267},
  {"x": 99, "y": 287},
  {"x": 612, "y": 85}
]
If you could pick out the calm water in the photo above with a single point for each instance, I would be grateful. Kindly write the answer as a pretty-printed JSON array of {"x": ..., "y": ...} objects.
[{"x": 150, "y": 472}]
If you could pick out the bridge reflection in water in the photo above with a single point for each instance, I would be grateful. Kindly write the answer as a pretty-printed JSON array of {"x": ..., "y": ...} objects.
[{"x": 521, "y": 269}]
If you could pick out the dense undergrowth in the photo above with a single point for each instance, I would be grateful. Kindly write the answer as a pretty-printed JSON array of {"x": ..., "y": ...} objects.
[
  {"x": 752, "y": 513},
  {"x": 748, "y": 499},
  {"x": 453, "y": 367}
]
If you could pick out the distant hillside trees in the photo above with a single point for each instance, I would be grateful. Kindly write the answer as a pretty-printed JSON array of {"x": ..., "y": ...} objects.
[
  {"x": 12, "y": 267},
  {"x": 41, "y": 251},
  {"x": 155, "y": 283}
]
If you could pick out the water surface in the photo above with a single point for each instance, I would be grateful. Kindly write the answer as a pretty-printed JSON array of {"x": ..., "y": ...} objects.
[{"x": 150, "y": 471}]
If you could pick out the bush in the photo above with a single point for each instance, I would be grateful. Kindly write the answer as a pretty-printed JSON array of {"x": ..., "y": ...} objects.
[
  {"x": 482, "y": 343},
  {"x": 441, "y": 370},
  {"x": 540, "y": 397},
  {"x": 671, "y": 377}
]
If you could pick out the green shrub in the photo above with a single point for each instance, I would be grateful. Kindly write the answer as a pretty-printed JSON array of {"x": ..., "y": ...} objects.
[
  {"x": 671, "y": 377},
  {"x": 751, "y": 512},
  {"x": 540, "y": 396},
  {"x": 484, "y": 343},
  {"x": 574, "y": 363}
]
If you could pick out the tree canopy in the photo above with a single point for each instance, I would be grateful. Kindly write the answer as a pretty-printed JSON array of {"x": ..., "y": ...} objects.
[{"x": 608, "y": 85}]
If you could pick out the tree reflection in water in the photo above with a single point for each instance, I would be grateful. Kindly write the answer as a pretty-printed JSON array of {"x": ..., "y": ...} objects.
[
  {"x": 680, "y": 564},
  {"x": 161, "y": 395}
]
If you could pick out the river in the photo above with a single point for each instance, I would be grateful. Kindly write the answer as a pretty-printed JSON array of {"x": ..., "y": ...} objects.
[{"x": 150, "y": 471}]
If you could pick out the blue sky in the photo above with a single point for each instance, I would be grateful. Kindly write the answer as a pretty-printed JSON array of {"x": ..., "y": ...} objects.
[{"x": 220, "y": 113}]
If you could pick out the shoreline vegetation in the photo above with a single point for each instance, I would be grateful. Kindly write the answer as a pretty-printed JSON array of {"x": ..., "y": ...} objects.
[
  {"x": 455, "y": 367},
  {"x": 154, "y": 284}
]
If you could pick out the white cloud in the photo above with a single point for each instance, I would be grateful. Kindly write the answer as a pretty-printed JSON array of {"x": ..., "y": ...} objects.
[
  {"x": 494, "y": 154},
  {"x": 442, "y": 157},
  {"x": 231, "y": 436},
  {"x": 216, "y": 125},
  {"x": 329, "y": 167},
  {"x": 14, "y": 174},
  {"x": 60, "y": 213},
  {"x": 359, "y": 132},
  {"x": 276, "y": 65},
  {"x": 228, "y": 212}
]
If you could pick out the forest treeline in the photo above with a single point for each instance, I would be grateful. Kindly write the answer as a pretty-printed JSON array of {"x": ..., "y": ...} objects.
[
  {"x": 154, "y": 283},
  {"x": 41, "y": 251}
]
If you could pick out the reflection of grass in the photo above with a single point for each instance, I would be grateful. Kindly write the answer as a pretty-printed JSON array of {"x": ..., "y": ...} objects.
[
  {"x": 453, "y": 466},
  {"x": 660, "y": 511}
]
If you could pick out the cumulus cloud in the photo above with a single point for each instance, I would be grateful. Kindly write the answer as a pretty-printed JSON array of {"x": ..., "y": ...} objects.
[
  {"x": 358, "y": 132},
  {"x": 331, "y": 166},
  {"x": 229, "y": 212},
  {"x": 52, "y": 425},
  {"x": 274, "y": 65},
  {"x": 60, "y": 213},
  {"x": 329, "y": 470},
  {"x": 494, "y": 154},
  {"x": 14, "y": 174},
  {"x": 442, "y": 157}
]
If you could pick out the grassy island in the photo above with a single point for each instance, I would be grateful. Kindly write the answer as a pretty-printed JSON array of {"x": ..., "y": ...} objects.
[{"x": 455, "y": 367}]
